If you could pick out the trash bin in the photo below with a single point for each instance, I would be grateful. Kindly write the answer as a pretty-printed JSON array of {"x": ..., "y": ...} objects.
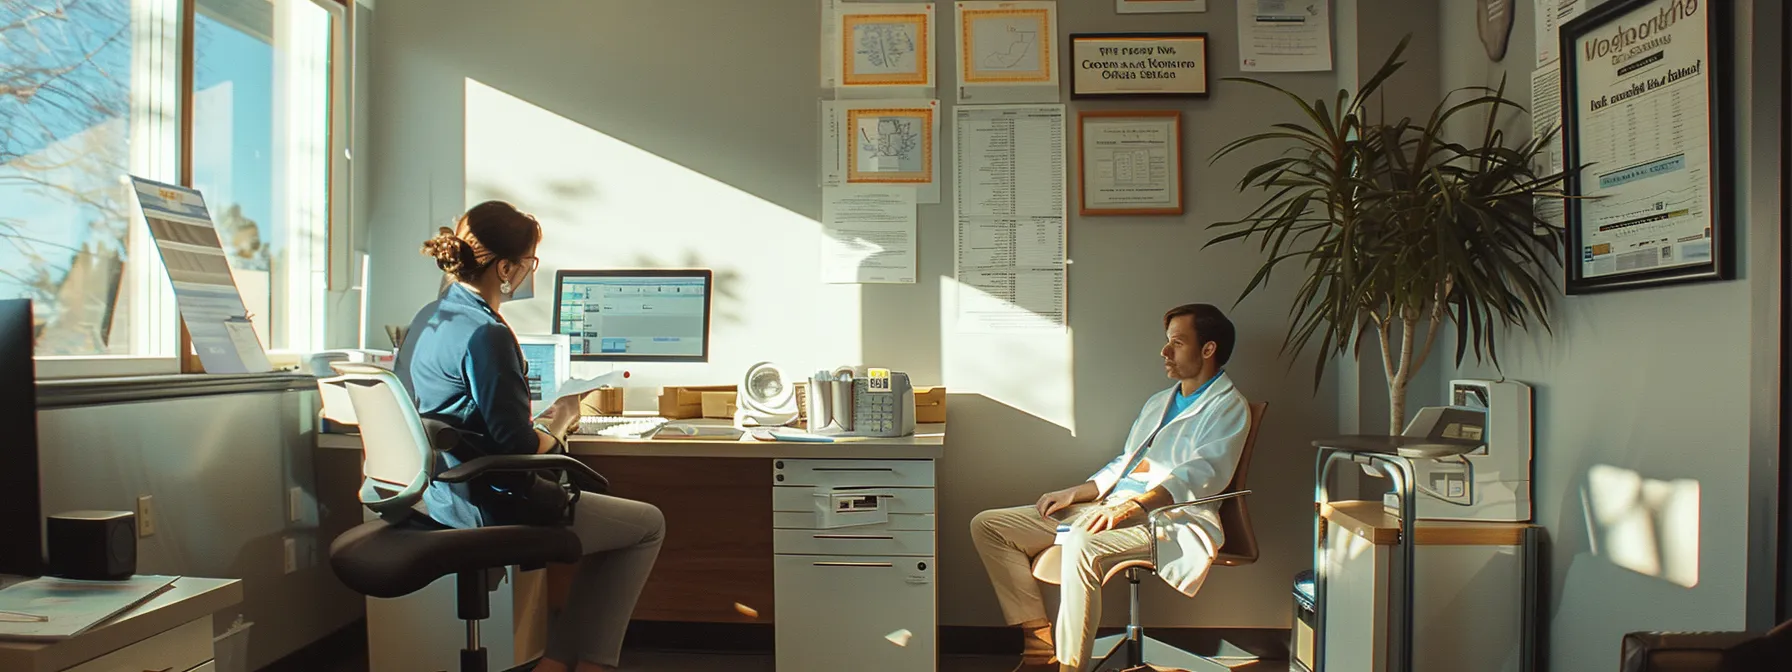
[
  {"x": 230, "y": 651},
  {"x": 1300, "y": 646}
]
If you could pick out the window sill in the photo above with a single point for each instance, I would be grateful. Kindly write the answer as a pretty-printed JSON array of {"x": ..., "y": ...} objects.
[{"x": 73, "y": 392}]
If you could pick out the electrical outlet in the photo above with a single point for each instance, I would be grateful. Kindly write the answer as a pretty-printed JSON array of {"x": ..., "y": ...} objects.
[
  {"x": 146, "y": 516},
  {"x": 292, "y": 555},
  {"x": 295, "y": 504}
]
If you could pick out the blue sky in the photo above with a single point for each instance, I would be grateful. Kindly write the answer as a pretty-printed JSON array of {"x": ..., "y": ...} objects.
[{"x": 225, "y": 55}]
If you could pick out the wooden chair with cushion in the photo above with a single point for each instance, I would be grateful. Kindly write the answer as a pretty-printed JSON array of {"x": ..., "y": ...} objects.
[{"x": 1134, "y": 648}]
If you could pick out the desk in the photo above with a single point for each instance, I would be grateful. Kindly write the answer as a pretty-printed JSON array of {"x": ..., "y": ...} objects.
[
  {"x": 732, "y": 540},
  {"x": 172, "y": 631}
]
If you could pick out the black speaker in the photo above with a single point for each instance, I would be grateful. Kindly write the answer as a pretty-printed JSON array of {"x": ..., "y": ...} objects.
[{"x": 94, "y": 545}]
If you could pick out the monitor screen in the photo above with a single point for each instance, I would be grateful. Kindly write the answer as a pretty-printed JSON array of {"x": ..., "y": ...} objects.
[
  {"x": 636, "y": 315},
  {"x": 21, "y": 518}
]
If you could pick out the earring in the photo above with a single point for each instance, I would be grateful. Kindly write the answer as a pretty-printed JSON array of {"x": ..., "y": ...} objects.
[{"x": 504, "y": 287}]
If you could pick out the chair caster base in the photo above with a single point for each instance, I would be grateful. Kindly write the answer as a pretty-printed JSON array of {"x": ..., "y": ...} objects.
[{"x": 472, "y": 660}]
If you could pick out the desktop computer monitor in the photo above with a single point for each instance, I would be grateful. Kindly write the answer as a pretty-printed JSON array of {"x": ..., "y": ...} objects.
[
  {"x": 21, "y": 506},
  {"x": 648, "y": 315}
]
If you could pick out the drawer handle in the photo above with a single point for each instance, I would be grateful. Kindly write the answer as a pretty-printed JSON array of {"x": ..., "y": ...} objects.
[
  {"x": 853, "y": 564},
  {"x": 888, "y": 469},
  {"x": 883, "y": 537}
]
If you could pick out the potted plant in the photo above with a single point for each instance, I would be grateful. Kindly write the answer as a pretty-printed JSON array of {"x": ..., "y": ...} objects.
[{"x": 1400, "y": 228}]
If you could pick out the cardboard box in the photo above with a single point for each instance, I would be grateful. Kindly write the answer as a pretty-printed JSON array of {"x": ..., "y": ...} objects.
[
  {"x": 682, "y": 402},
  {"x": 720, "y": 404},
  {"x": 930, "y": 405}
]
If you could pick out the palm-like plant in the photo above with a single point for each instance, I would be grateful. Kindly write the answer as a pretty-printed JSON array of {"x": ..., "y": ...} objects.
[{"x": 1401, "y": 229}]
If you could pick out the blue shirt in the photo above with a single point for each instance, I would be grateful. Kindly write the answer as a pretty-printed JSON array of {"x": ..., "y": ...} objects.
[
  {"x": 1132, "y": 484},
  {"x": 463, "y": 367}
]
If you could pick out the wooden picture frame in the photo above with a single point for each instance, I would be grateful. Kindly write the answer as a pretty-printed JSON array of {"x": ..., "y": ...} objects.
[
  {"x": 1138, "y": 65},
  {"x": 1129, "y": 162},
  {"x": 1647, "y": 146}
]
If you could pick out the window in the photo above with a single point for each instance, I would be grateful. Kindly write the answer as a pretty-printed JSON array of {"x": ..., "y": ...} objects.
[
  {"x": 92, "y": 91},
  {"x": 261, "y": 155}
]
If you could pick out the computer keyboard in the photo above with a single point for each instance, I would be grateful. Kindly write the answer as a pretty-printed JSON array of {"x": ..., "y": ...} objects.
[{"x": 619, "y": 426}]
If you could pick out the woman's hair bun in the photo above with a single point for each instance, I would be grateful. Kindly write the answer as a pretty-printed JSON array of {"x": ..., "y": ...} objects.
[{"x": 452, "y": 253}]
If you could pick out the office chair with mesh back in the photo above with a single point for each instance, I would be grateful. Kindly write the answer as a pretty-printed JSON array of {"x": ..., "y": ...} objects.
[
  {"x": 404, "y": 550},
  {"x": 1134, "y": 648}
]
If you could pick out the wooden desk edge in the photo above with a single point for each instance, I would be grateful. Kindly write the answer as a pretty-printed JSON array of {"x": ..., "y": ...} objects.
[
  {"x": 1371, "y": 521},
  {"x": 928, "y": 442},
  {"x": 188, "y": 599}
]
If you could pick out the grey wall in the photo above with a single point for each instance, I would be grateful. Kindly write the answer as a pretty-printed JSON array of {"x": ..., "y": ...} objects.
[
  {"x": 716, "y": 99},
  {"x": 1669, "y": 383},
  {"x": 218, "y": 470}
]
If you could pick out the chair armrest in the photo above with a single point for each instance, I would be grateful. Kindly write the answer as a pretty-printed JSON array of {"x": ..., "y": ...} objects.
[
  {"x": 1154, "y": 517},
  {"x": 582, "y": 474},
  {"x": 442, "y": 437}
]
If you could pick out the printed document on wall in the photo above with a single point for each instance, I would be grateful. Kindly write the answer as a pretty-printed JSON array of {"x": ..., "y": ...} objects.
[
  {"x": 204, "y": 289},
  {"x": 1549, "y": 15},
  {"x": 879, "y": 50},
  {"x": 1546, "y": 118},
  {"x": 1285, "y": 35},
  {"x": 1006, "y": 51},
  {"x": 889, "y": 143},
  {"x": 1645, "y": 145},
  {"x": 1009, "y": 209},
  {"x": 869, "y": 234}
]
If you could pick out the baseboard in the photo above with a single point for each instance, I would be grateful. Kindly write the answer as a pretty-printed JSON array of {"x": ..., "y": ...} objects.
[{"x": 954, "y": 640}]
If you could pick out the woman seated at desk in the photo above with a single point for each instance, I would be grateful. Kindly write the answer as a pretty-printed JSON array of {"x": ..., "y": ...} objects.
[{"x": 462, "y": 363}]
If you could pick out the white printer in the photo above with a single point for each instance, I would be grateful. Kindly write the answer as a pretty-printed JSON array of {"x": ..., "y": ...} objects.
[{"x": 1490, "y": 483}]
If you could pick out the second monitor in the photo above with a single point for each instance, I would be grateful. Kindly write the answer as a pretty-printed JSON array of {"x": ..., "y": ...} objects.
[{"x": 642, "y": 315}]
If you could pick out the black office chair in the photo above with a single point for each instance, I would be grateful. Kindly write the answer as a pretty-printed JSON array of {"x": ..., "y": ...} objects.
[{"x": 405, "y": 551}]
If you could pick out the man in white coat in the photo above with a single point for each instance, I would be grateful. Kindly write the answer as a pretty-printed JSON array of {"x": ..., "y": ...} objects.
[{"x": 1184, "y": 446}]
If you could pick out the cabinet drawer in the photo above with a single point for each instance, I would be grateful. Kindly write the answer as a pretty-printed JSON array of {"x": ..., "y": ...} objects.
[
  {"x": 853, "y": 472},
  {"x": 899, "y": 500},
  {"x": 852, "y": 541},
  {"x": 835, "y": 614},
  {"x": 906, "y": 522},
  {"x": 183, "y": 648},
  {"x": 207, "y": 666}
]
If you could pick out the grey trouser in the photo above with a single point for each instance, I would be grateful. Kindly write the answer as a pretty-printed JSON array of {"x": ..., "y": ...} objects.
[{"x": 621, "y": 539}]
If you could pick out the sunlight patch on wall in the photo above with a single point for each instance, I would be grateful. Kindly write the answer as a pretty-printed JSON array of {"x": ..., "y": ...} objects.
[
  {"x": 605, "y": 203},
  {"x": 1029, "y": 372},
  {"x": 1646, "y": 525}
]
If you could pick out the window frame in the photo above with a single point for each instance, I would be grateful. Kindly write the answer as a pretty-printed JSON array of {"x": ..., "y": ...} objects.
[{"x": 147, "y": 293}]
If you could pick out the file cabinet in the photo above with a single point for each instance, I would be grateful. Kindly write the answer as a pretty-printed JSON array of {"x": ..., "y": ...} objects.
[{"x": 859, "y": 596}]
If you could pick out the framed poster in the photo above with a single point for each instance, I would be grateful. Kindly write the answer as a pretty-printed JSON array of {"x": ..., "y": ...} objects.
[
  {"x": 1646, "y": 113},
  {"x": 1138, "y": 65},
  {"x": 1129, "y": 162}
]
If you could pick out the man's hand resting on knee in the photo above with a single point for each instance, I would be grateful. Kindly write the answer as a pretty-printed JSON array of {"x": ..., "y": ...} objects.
[{"x": 1055, "y": 501}]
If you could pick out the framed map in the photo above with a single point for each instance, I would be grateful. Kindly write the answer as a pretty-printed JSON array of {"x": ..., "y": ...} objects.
[
  {"x": 889, "y": 145},
  {"x": 1007, "y": 43},
  {"x": 885, "y": 45}
]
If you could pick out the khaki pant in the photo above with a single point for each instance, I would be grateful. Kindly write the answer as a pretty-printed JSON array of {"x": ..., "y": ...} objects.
[{"x": 1009, "y": 540}]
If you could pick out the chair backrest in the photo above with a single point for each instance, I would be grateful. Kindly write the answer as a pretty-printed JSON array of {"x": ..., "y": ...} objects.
[
  {"x": 395, "y": 449},
  {"x": 1235, "y": 514}
]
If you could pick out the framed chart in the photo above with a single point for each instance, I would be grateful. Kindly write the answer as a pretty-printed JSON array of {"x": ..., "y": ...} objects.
[
  {"x": 1129, "y": 162},
  {"x": 1647, "y": 145}
]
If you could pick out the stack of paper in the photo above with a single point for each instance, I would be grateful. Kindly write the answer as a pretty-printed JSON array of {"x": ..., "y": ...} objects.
[{"x": 50, "y": 608}]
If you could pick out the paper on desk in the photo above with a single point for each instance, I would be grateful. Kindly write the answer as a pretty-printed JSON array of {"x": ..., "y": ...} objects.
[
  {"x": 578, "y": 386},
  {"x": 71, "y": 607}
]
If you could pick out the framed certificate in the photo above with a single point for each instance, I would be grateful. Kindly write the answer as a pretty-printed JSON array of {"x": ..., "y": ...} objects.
[
  {"x": 1138, "y": 65},
  {"x": 1129, "y": 163},
  {"x": 1647, "y": 149}
]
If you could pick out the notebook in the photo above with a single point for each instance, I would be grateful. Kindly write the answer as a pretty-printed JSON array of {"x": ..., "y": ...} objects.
[{"x": 51, "y": 608}]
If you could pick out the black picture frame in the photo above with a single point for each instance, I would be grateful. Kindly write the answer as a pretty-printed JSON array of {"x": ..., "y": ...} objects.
[
  {"x": 1071, "y": 70},
  {"x": 1603, "y": 21}
]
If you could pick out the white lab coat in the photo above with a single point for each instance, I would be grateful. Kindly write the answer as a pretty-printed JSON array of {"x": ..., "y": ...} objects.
[{"x": 1192, "y": 457}]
